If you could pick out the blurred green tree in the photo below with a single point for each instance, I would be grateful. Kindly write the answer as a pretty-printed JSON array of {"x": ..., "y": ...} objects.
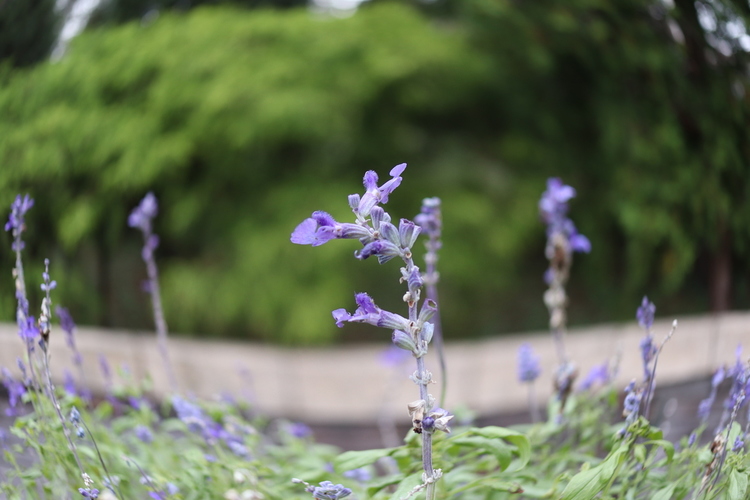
[
  {"x": 28, "y": 30},
  {"x": 242, "y": 123}
]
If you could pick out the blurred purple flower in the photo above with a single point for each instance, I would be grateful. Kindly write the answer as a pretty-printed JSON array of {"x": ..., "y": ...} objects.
[
  {"x": 645, "y": 314},
  {"x": 299, "y": 430},
  {"x": 598, "y": 374},
  {"x": 528, "y": 363},
  {"x": 361, "y": 475},
  {"x": 329, "y": 491},
  {"x": 553, "y": 208},
  {"x": 144, "y": 433},
  {"x": 15, "y": 223},
  {"x": 141, "y": 215}
]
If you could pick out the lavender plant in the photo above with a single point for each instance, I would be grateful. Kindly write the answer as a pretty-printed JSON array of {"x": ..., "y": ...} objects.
[
  {"x": 563, "y": 240},
  {"x": 141, "y": 218},
  {"x": 381, "y": 239}
]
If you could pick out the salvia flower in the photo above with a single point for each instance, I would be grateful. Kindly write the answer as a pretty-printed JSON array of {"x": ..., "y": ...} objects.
[
  {"x": 528, "y": 363},
  {"x": 645, "y": 314},
  {"x": 89, "y": 492},
  {"x": 598, "y": 374},
  {"x": 144, "y": 433},
  {"x": 321, "y": 228},
  {"x": 361, "y": 475},
  {"x": 16, "y": 391},
  {"x": 369, "y": 313},
  {"x": 329, "y": 491},
  {"x": 739, "y": 444},
  {"x": 15, "y": 223},
  {"x": 553, "y": 208},
  {"x": 704, "y": 408},
  {"x": 142, "y": 215},
  {"x": 375, "y": 194}
]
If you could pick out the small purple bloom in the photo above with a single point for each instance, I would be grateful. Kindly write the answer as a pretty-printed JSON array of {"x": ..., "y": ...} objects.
[
  {"x": 329, "y": 491},
  {"x": 144, "y": 433},
  {"x": 321, "y": 228},
  {"x": 300, "y": 430},
  {"x": 361, "y": 475},
  {"x": 16, "y": 391},
  {"x": 528, "y": 364},
  {"x": 645, "y": 314},
  {"x": 141, "y": 215},
  {"x": 374, "y": 194},
  {"x": 369, "y": 313},
  {"x": 430, "y": 219},
  {"x": 553, "y": 208},
  {"x": 18, "y": 210},
  {"x": 69, "y": 383},
  {"x": 598, "y": 374},
  {"x": 739, "y": 444},
  {"x": 89, "y": 492}
]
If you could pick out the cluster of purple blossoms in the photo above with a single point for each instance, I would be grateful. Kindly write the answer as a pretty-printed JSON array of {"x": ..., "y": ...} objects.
[
  {"x": 15, "y": 223},
  {"x": 528, "y": 363},
  {"x": 329, "y": 491},
  {"x": 553, "y": 208},
  {"x": 140, "y": 218},
  {"x": 382, "y": 239},
  {"x": 211, "y": 431}
]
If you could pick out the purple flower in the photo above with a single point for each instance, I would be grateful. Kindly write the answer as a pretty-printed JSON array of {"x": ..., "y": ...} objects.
[
  {"x": 430, "y": 218},
  {"x": 553, "y": 208},
  {"x": 375, "y": 194},
  {"x": 141, "y": 215},
  {"x": 321, "y": 228},
  {"x": 143, "y": 433},
  {"x": 361, "y": 475},
  {"x": 18, "y": 210},
  {"x": 89, "y": 492},
  {"x": 704, "y": 408},
  {"x": 645, "y": 314},
  {"x": 69, "y": 383},
  {"x": 329, "y": 491},
  {"x": 300, "y": 430},
  {"x": 598, "y": 374},
  {"x": 29, "y": 331},
  {"x": 739, "y": 443},
  {"x": 528, "y": 363},
  {"x": 16, "y": 391},
  {"x": 369, "y": 313}
]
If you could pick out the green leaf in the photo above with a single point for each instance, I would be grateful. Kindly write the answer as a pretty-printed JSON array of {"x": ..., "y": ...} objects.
[
  {"x": 737, "y": 485},
  {"x": 407, "y": 485},
  {"x": 499, "y": 449},
  {"x": 665, "y": 445},
  {"x": 379, "y": 483},
  {"x": 665, "y": 493},
  {"x": 355, "y": 459},
  {"x": 586, "y": 484},
  {"x": 519, "y": 440}
]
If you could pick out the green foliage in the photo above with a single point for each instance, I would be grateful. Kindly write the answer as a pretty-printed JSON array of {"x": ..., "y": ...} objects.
[{"x": 241, "y": 123}]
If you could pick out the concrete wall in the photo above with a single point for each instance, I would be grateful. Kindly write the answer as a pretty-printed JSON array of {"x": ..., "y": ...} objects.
[{"x": 351, "y": 384}]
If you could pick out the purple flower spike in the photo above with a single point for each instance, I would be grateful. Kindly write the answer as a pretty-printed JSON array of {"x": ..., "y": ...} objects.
[
  {"x": 18, "y": 209},
  {"x": 553, "y": 208},
  {"x": 528, "y": 364},
  {"x": 645, "y": 314},
  {"x": 141, "y": 215}
]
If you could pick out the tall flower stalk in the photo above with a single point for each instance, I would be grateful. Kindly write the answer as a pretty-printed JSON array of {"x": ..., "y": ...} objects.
[
  {"x": 430, "y": 219},
  {"x": 563, "y": 240},
  {"x": 382, "y": 239},
  {"x": 140, "y": 218}
]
